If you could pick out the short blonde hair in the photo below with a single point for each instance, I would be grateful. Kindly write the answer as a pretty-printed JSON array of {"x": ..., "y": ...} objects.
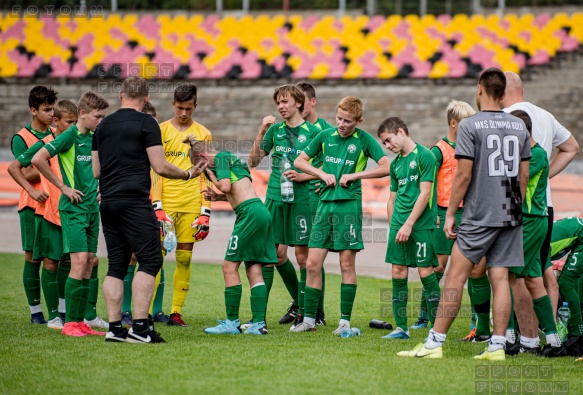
[
  {"x": 92, "y": 101},
  {"x": 352, "y": 105},
  {"x": 459, "y": 110},
  {"x": 197, "y": 147},
  {"x": 64, "y": 107}
]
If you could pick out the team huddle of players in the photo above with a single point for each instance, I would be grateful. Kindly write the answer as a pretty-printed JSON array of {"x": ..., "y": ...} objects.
[{"x": 429, "y": 198}]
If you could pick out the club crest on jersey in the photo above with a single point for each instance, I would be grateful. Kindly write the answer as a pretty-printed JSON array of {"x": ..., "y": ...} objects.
[
  {"x": 352, "y": 148},
  {"x": 413, "y": 165},
  {"x": 302, "y": 138}
]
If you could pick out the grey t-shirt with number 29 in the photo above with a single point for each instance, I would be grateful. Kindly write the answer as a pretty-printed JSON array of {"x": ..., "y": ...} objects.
[{"x": 496, "y": 142}]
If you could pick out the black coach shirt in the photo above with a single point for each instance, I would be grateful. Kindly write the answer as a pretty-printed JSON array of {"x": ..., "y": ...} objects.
[{"x": 121, "y": 140}]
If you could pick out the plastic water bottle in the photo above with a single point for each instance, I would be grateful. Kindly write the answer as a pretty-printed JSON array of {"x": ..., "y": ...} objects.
[
  {"x": 562, "y": 320},
  {"x": 287, "y": 186},
  {"x": 350, "y": 332},
  {"x": 169, "y": 237}
]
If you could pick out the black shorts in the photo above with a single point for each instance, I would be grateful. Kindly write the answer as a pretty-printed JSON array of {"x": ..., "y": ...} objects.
[{"x": 131, "y": 226}]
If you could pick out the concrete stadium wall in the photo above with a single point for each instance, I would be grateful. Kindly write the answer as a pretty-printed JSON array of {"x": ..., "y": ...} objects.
[{"x": 234, "y": 109}]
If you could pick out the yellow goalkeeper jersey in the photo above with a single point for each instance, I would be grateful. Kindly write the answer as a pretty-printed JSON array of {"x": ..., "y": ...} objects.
[{"x": 179, "y": 195}]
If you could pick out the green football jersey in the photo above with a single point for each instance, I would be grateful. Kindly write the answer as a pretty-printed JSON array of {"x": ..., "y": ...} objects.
[
  {"x": 228, "y": 165},
  {"x": 407, "y": 174},
  {"x": 535, "y": 200},
  {"x": 281, "y": 139},
  {"x": 18, "y": 144},
  {"x": 567, "y": 234},
  {"x": 25, "y": 158},
  {"x": 317, "y": 160},
  {"x": 344, "y": 156},
  {"x": 74, "y": 150}
]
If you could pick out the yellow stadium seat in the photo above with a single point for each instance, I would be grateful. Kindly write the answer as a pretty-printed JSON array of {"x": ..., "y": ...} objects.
[
  {"x": 388, "y": 70},
  {"x": 319, "y": 72},
  {"x": 439, "y": 70}
]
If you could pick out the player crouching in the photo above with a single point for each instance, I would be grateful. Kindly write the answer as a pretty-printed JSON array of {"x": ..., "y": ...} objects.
[{"x": 251, "y": 240}]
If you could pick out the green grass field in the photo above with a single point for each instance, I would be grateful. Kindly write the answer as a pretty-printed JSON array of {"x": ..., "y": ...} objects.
[{"x": 35, "y": 359}]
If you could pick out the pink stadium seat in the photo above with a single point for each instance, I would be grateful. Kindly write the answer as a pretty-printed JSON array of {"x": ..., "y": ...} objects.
[
  {"x": 60, "y": 68},
  {"x": 520, "y": 60},
  {"x": 541, "y": 57},
  {"x": 542, "y": 20},
  {"x": 421, "y": 69},
  {"x": 402, "y": 30},
  {"x": 457, "y": 69},
  {"x": 375, "y": 22},
  {"x": 148, "y": 26},
  {"x": 308, "y": 23},
  {"x": 444, "y": 19},
  {"x": 15, "y": 31}
]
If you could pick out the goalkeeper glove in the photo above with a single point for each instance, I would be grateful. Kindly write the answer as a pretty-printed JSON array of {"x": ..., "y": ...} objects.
[
  {"x": 163, "y": 218},
  {"x": 202, "y": 224}
]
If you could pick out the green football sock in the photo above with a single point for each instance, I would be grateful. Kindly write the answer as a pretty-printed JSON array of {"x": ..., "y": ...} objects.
[
  {"x": 93, "y": 290},
  {"x": 258, "y": 301},
  {"x": 290, "y": 279},
  {"x": 233, "y": 301},
  {"x": 267, "y": 273},
  {"x": 439, "y": 276},
  {"x": 312, "y": 295},
  {"x": 347, "y": 296},
  {"x": 567, "y": 288},
  {"x": 400, "y": 297},
  {"x": 84, "y": 298},
  {"x": 31, "y": 281},
  {"x": 321, "y": 301},
  {"x": 51, "y": 291},
  {"x": 511, "y": 320},
  {"x": 431, "y": 286},
  {"x": 302, "y": 290},
  {"x": 62, "y": 274},
  {"x": 159, "y": 295},
  {"x": 127, "y": 289},
  {"x": 543, "y": 308},
  {"x": 423, "y": 306},
  {"x": 481, "y": 291},
  {"x": 73, "y": 291}
]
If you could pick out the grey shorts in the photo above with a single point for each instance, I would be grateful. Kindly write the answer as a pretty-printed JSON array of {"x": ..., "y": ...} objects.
[{"x": 502, "y": 247}]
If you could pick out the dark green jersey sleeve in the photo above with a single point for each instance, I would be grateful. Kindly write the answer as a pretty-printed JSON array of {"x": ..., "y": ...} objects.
[
  {"x": 25, "y": 158},
  {"x": 427, "y": 166},
  {"x": 223, "y": 165},
  {"x": 373, "y": 149},
  {"x": 394, "y": 181},
  {"x": 63, "y": 142},
  {"x": 438, "y": 157},
  {"x": 267, "y": 143},
  {"x": 315, "y": 147}
]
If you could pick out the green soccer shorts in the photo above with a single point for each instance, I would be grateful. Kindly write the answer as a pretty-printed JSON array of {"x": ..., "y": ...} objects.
[
  {"x": 27, "y": 228},
  {"x": 291, "y": 223},
  {"x": 80, "y": 231},
  {"x": 441, "y": 243},
  {"x": 48, "y": 242},
  {"x": 418, "y": 251},
  {"x": 252, "y": 237},
  {"x": 338, "y": 226},
  {"x": 533, "y": 235}
]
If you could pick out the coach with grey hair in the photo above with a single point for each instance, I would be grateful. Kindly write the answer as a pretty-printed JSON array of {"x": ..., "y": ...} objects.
[{"x": 125, "y": 145}]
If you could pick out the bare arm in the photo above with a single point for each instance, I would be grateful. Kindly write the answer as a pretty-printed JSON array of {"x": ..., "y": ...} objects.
[
  {"x": 223, "y": 185},
  {"x": 420, "y": 204},
  {"x": 211, "y": 195},
  {"x": 31, "y": 174},
  {"x": 302, "y": 163},
  {"x": 95, "y": 164},
  {"x": 523, "y": 174},
  {"x": 567, "y": 152},
  {"x": 168, "y": 170},
  {"x": 256, "y": 152},
  {"x": 40, "y": 161},
  {"x": 16, "y": 172},
  {"x": 382, "y": 170}
]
